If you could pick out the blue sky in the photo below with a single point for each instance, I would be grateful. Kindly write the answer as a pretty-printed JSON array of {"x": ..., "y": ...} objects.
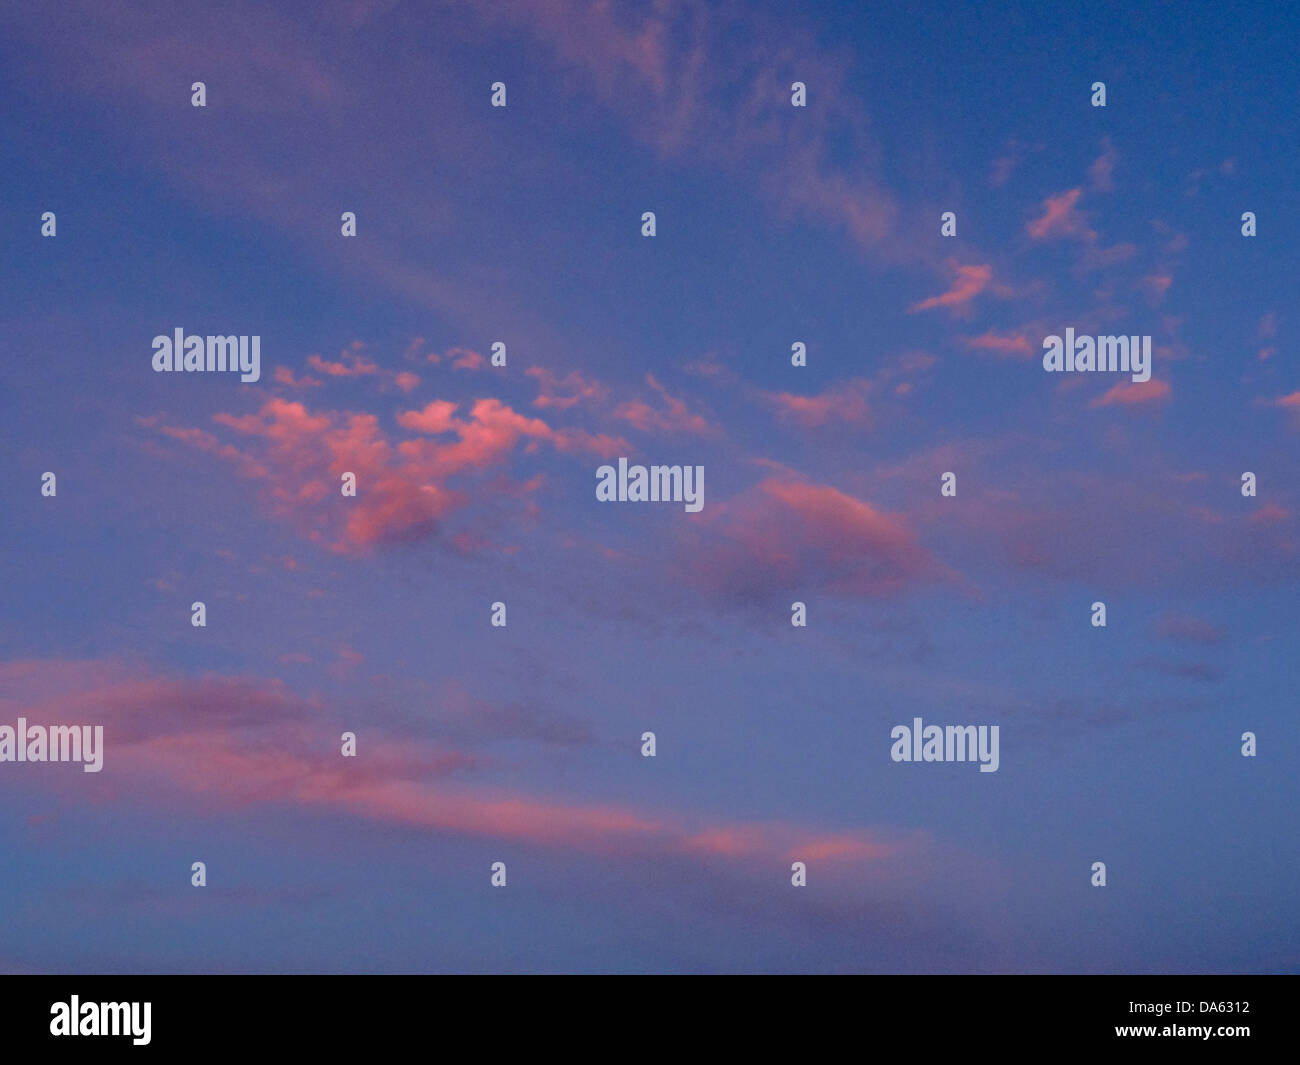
[{"x": 775, "y": 224}]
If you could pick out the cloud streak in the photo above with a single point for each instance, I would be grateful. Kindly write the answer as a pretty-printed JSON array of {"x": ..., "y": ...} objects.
[{"x": 244, "y": 740}]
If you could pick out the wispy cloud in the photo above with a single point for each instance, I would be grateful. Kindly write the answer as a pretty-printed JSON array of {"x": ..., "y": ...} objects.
[
  {"x": 1130, "y": 394},
  {"x": 1059, "y": 218},
  {"x": 970, "y": 281},
  {"x": 242, "y": 740}
]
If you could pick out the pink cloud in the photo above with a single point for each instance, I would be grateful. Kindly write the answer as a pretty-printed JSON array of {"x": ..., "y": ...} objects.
[
  {"x": 846, "y": 403},
  {"x": 970, "y": 282},
  {"x": 1157, "y": 285},
  {"x": 790, "y": 534},
  {"x": 403, "y": 491},
  {"x": 612, "y": 49},
  {"x": 575, "y": 388},
  {"x": 1102, "y": 170},
  {"x": 491, "y": 431},
  {"x": 1059, "y": 218},
  {"x": 673, "y": 417},
  {"x": 438, "y": 416},
  {"x": 713, "y": 370},
  {"x": 863, "y": 210},
  {"x": 1003, "y": 344},
  {"x": 464, "y": 359},
  {"x": 230, "y": 741},
  {"x": 285, "y": 376},
  {"x": 1270, "y": 514},
  {"x": 1133, "y": 394},
  {"x": 831, "y": 848},
  {"x": 667, "y": 72},
  {"x": 1001, "y": 171},
  {"x": 350, "y": 364},
  {"x": 346, "y": 663},
  {"x": 202, "y": 440}
]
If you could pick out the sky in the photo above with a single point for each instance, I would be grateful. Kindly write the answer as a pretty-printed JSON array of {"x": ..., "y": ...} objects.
[{"x": 774, "y": 225}]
